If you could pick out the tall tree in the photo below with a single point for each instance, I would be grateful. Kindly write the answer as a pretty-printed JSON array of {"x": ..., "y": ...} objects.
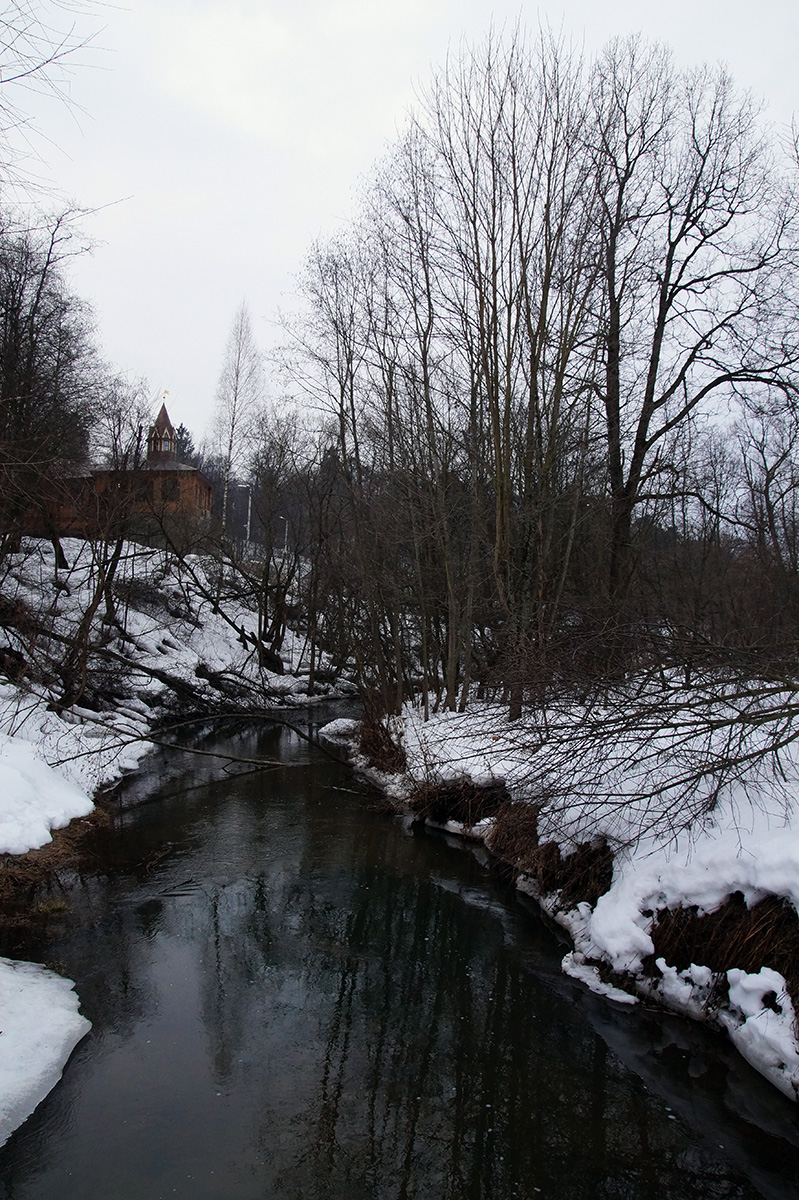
[
  {"x": 47, "y": 370},
  {"x": 239, "y": 393},
  {"x": 699, "y": 235},
  {"x": 187, "y": 452},
  {"x": 563, "y": 274}
]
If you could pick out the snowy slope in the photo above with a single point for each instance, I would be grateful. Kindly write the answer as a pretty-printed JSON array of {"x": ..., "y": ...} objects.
[
  {"x": 168, "y": 615},
  {"x": 168, "y": 633}
]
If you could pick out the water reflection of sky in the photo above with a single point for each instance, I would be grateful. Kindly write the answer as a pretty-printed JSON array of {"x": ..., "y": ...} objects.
[{"x": 294, "y": 997}]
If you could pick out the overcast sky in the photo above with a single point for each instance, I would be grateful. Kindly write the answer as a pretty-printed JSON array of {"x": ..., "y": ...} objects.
[{"x": 219, "y": 138}]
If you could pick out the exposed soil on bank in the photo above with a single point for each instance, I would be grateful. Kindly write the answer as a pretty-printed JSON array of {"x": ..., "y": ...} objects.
[
  {"x": 747, "y": 946},
  {"x": 31, "y": 888}
]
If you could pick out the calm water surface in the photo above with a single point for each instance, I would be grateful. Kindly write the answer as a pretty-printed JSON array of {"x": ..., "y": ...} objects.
[{"x": 296, "y": 997}]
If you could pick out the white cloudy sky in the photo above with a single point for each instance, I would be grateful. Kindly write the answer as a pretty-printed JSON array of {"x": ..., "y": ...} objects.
[{"x": 218, "y": 138}]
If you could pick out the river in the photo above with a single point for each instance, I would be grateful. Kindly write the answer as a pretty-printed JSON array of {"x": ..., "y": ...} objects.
[{"x": 295, "y": 996}]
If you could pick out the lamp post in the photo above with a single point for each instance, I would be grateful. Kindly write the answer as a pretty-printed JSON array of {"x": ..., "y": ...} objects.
[{"x": 242, "y": 488}]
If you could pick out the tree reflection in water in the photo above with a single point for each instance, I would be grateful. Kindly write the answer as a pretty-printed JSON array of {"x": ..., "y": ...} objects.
[{"x": 305, "y": 1000}]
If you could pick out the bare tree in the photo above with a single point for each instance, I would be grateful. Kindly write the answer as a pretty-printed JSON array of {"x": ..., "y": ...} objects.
[
  {"x": 40, "y": 42},
  {"x": 123, "y": 419},
  {"x": 562, "y": 279},
  {"x": 239, "y": 394},
  {"x": 48, "y": 374},
  {"x": 698, "y": 233}
]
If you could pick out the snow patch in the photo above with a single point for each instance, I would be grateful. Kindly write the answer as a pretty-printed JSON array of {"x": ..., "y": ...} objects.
[
  {"x": 576, "y": 967},
  {"x": 41, "y": 1026},
  {"x": 764, "y": 1032},
  {"x": 342, "y": 730},
  {"x": 35, "y": 798}
]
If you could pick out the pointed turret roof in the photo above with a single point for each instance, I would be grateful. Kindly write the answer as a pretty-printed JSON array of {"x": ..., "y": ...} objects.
[
  {"x": 162, "y": 422},
  {"x": 162, "y": 441}
]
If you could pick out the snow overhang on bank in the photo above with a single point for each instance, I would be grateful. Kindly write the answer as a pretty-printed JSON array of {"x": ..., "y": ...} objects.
[
  {"x": 41, "y": 1026},
  {"x": 742, "y": 845},
  {"x": 35, "y": 798},
  {"x": 39, "y": 1020}
]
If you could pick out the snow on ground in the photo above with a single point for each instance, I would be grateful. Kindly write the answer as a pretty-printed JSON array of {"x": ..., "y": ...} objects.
[
  {"x": 680, "y": 835},
  {"x": 167, "y": 625},
  {"x": 51, "y": 764},
  {"x": 35, "y": 798},
  {"x": 170, "y": 615},
  {"x": 53, "y": 760},
  {"x": 41, "y": 1027}
]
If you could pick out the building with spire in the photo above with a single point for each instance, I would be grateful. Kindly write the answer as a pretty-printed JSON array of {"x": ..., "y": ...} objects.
[
  {"x": 159, "y": 495},
  {"x": 174, "y": 488}
]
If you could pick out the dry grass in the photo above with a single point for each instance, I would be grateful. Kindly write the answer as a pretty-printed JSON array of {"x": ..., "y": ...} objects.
[
  {"x": 27, "y": 880},
  {"x": 515, "y": 833},
  {"x": 765, "y": 935},
  {"x": 379, "y": 748},
  {"x": 464, "y": 802},
  {"x": 586, "y": 874}
]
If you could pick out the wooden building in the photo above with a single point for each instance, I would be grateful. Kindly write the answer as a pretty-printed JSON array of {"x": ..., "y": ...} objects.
[{"x": 161, "y": 493}]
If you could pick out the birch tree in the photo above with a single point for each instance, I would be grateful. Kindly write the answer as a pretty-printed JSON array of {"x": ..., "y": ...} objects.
[{"x": 238, "y": 396}]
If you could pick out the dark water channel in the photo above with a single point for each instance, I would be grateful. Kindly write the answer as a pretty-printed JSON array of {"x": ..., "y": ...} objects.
[{"x": 297, "y": 997}]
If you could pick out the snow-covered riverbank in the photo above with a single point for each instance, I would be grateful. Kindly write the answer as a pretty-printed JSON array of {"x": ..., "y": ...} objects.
[
  {"x": 678, "y": 853},
  {"x": 41, "y": 1027},
  {"x": 677, "y": 843},
  {"x": 168, "y": 645}
]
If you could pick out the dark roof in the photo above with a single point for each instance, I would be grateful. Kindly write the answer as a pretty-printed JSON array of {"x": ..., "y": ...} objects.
[
  {"x": 170, "y": 465},
  {"x": 174, "y": 467},
  {"x": 162, "y": 422}
]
